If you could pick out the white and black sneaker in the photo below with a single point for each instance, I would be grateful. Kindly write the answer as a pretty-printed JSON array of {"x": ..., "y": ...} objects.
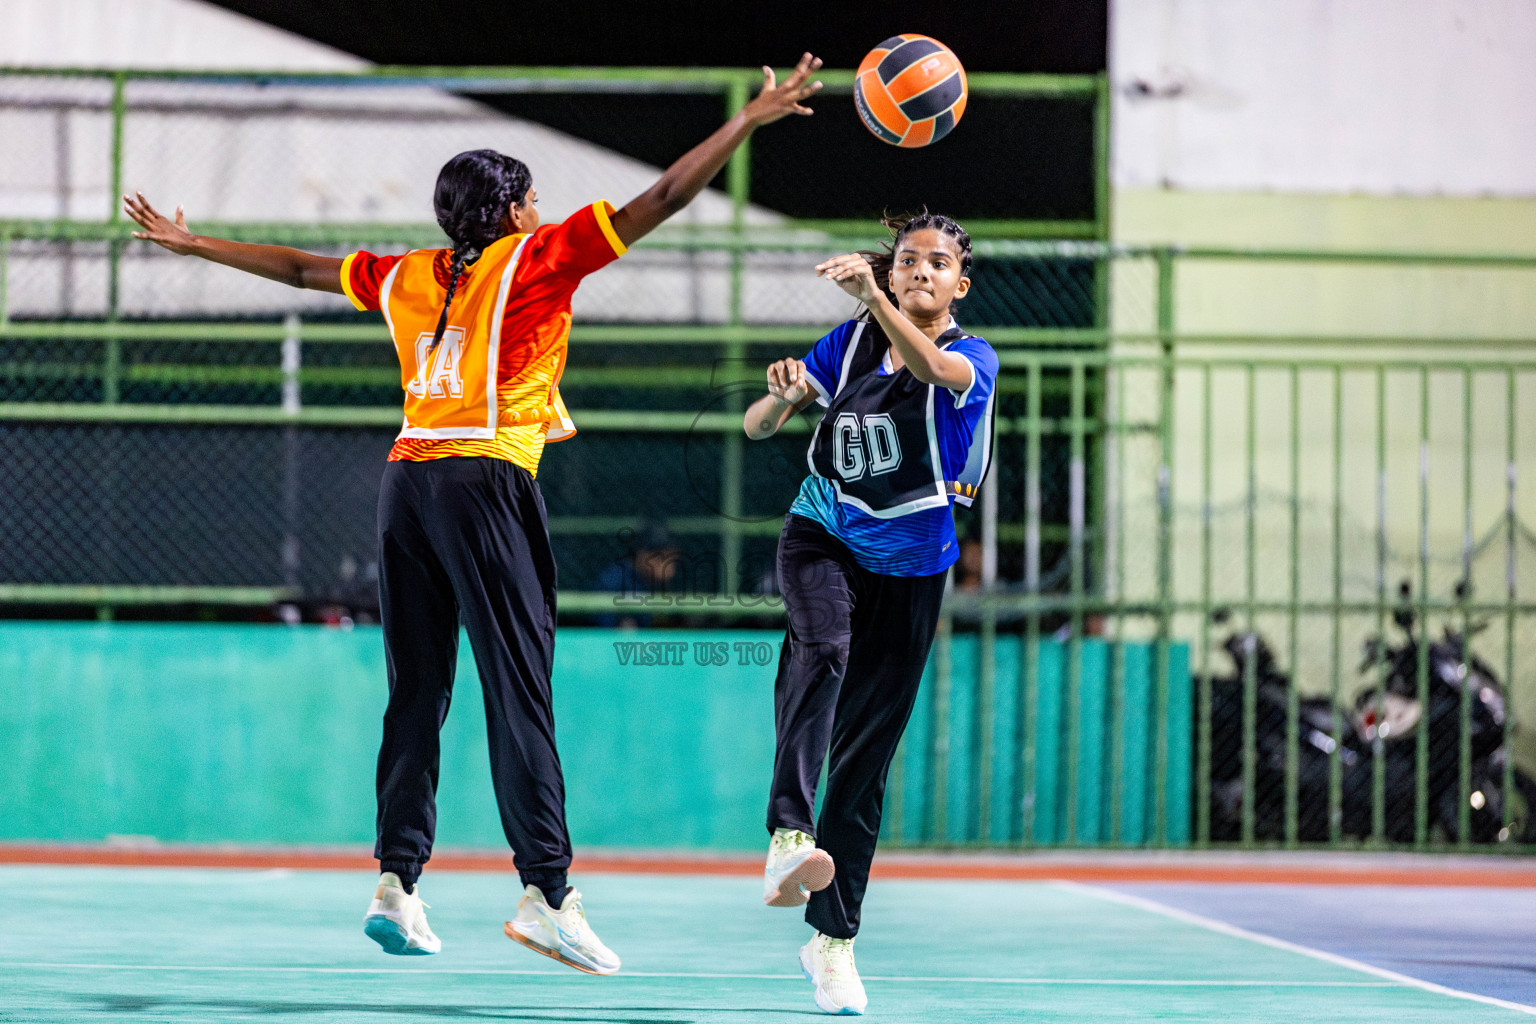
[{"x": 397, "y": 920}]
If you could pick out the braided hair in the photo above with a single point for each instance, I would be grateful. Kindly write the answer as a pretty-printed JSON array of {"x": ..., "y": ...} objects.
[
  {"x": 474, "y": 191},
  {"x": 882, "y": 260}
]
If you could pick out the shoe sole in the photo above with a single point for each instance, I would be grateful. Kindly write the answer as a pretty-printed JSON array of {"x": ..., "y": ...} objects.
[
  {"x": 844, "y": 1011},
  {"x": 392, "y": 938},
  {"x": 812, "y": 875},
  {"x": 554, "y": 954}
]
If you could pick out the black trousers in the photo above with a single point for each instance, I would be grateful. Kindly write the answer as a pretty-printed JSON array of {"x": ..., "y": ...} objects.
[
  {"x": 467, "y": 540},
  {"x": 848, "y": 676}
]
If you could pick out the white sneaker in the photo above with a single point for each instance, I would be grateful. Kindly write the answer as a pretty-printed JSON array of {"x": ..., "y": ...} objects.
[
  {"x": 795, "y": 869},
  {"x": 397, "y": 920},
  {"x": 562, "y": 934},
  {"x": 828, "y": 964}
]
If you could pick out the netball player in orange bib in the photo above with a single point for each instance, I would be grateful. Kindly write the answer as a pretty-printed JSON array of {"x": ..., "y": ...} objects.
[{"x": 481, "y": 332}]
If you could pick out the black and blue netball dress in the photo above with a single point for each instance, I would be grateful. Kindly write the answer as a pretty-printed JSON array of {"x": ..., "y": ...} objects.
[
  {"x": 892, "y": 452},
  {"x": 862, "y": 562}
]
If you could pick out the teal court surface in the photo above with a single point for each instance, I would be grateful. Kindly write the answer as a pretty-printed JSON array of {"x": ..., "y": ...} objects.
[{"x": 86, "y": 944}]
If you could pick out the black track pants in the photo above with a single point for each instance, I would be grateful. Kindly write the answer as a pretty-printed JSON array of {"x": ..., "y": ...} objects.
[
  {"x": 466, "y": 540},
  {"x": 848, "y": 677}
]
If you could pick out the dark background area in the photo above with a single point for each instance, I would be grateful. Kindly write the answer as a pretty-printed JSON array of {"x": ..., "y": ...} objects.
[
  {"x": 1009, "y": 158},
  {"x": 1054, "y": 36}
]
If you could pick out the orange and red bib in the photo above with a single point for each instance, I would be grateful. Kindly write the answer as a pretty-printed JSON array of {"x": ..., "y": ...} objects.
[{"x": 450, "y": 389}]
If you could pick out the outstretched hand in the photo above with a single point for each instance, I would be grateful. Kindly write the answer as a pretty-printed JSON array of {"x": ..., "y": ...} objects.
[
  {"x": 274, "y": 262},
  {"x": 853, "y": 274},
  {"x": 172, "y": 235},
  {"x": 776, "y": 101}
]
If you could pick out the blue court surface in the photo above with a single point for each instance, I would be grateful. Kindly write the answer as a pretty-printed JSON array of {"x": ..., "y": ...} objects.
[
  {"x": 170, "y": 945},
  {"x": 1478, "y": 940}
]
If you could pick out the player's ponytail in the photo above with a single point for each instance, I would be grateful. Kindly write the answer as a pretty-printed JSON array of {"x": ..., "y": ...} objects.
[
  {"x": 474, "y": 192},
  {"x": 900, "y": 225}
]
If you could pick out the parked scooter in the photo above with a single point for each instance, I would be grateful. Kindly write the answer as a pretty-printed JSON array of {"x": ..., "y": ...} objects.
[
  {"x": 1318, "y": 722},
  {"x": 1381, "y": 727},
  {"x": 1390, "y": 717}
]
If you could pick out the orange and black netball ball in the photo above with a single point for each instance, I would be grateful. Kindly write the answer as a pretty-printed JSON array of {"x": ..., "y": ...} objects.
[{"x": 910, "y": 90}]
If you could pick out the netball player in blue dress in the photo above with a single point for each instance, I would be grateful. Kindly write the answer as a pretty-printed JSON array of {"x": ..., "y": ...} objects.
[{"x": 862, "y": 560}]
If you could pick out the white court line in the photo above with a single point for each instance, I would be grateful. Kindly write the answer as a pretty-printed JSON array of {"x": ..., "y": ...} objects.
[
  {"x": 1086, "y": 982},
  {"x": 1140, "y": 982},
  {"x": 1221, "y": 927}
]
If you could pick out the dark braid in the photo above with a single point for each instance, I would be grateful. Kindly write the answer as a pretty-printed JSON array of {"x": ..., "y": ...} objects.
[
  {"x": 474, "y": 192},
  {"x": 902, "y": 225},
  {"x": 456, "y": 265}
]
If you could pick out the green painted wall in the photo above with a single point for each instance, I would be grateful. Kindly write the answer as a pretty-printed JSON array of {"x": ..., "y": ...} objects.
[
  {"x": 268, "y": 734},
  {"x": 965, "y": 808},
  {"x": 1268, "y": 297},
  {"x": 1295, "y": 220}
]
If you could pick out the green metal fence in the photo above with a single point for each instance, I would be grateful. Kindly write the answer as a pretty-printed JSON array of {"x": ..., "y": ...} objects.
[
  {"x": 1258, "y": 513},
  {"x": 1278, "y": 436},
  {"x": 1144, "y": 483}
]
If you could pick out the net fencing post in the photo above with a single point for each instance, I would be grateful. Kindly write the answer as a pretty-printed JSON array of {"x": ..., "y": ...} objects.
[
  {"x": 1464, "y": 734},
  {"x": 1076, "y": 526},
  {"x": 1250, "y": 574},
  {"x": 292, "y": 398},
  {"x": 1336, "y": 682},
  {"x": 1205, "y": 760},
  {"x": 1292, "y": 701},
  {"x": 739, "y": 183},
  {"x": 1029, "y": 668},
  {"x": 1421, "y": 765},
  {"x": 1510, "y": 594},
  {"x": 986, "y": 681},
  {"x": 1378, "y": 747},
  {"x": 112, "y": 360},
  {"x": 1165, "y": 328}
]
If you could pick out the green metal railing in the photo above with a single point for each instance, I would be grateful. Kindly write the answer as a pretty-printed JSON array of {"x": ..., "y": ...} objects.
[
  {"x": 1165, "y": 613},
  {"x": 1134, "y": 406}
]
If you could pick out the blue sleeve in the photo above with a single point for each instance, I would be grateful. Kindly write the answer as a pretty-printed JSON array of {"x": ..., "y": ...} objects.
[
  {"x": 825, "y": 360},
  {"x": 965, "y": 437},
  {"x": 983, "y": 360}
]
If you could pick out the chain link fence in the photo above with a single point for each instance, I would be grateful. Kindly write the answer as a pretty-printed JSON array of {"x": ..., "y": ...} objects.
[{"x": 110, "y": 342}]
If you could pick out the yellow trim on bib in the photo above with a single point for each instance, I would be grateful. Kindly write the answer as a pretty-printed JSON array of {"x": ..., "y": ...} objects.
[
  {"x": 603, "y": 210},
  {"x": 346, "y": 281}
]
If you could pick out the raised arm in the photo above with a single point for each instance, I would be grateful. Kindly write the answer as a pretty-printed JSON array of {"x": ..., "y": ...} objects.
[
  {"x": 928, "y": 363},
  {"x": 275, "y": 262},
  {"x": 686, "y": 178}
]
